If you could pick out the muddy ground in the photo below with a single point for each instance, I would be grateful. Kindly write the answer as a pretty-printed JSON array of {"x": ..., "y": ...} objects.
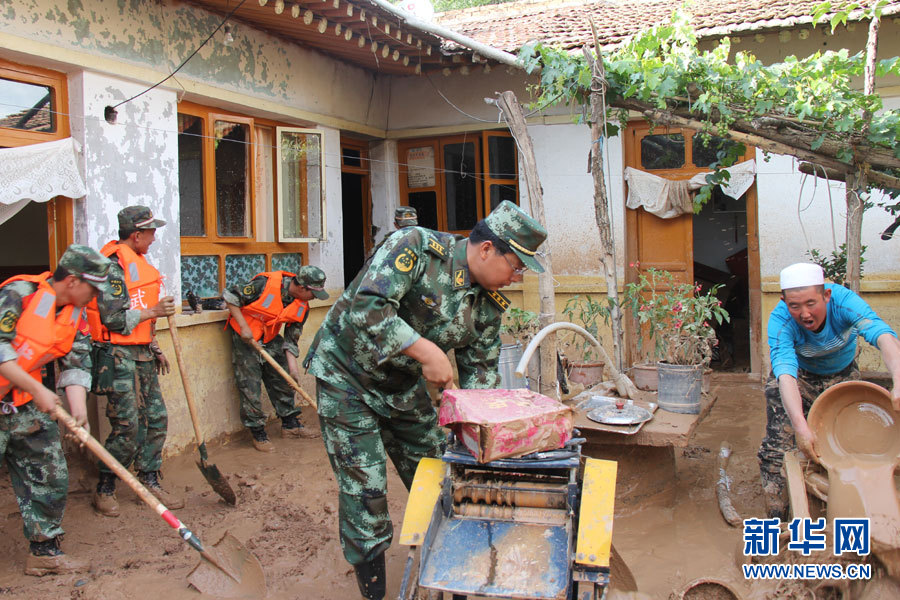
[{"x": 287, "y": 515}]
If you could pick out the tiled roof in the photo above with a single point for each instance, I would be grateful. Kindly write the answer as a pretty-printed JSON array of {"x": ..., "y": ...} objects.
[{"x": 566, "y": 23}]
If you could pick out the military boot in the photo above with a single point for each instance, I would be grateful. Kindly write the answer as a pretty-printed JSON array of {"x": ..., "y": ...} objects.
[
  {"x": 104, "y": 499},
  {"x": 47, "y": 559},
  {"x": 261, "y": 439},
  {"x": 370, "y": 578},
  {"x": 150, "y": 480},
  {"x": 291, "y": 427}
]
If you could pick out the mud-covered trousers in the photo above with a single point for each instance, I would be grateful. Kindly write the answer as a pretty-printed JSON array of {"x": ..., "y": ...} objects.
[
  {"x": 29, "y": 443},
  {"x": 251, "y": 369},
  {"x": 780, "y": 433},
  {"x": 358, "y": 441},
  {"x": 137, "y": 416}
]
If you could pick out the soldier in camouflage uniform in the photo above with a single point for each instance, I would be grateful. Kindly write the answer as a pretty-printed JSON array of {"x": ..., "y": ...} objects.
[
  {"x": 405, "y": 216},
  {"x": 422, "y": 294},
  {"x": 812, "y": 346},
  {"x": 256, "y": 315},
  {"x": 30, "y": 336},
  {"x": 129, "y": 359}
]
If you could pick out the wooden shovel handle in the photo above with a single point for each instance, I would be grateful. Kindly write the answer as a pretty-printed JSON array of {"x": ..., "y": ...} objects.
[
  {"x": 109, "y": 460},
  {"x": 283, "y": 373},
  {"x": 182, "y": 369}
]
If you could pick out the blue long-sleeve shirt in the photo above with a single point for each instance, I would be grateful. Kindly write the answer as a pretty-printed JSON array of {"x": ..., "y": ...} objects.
[{"x": 792, "y": 346}]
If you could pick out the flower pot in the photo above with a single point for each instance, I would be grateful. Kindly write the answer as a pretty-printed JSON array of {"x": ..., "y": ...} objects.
[
  {"x": 679, "y": 388},
  {"x": 645, "y": 376},
  {"x": 586, "y": 374}
]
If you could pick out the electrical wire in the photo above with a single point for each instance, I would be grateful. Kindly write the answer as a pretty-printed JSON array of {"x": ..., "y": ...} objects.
[{"x": 185, "y": 61}]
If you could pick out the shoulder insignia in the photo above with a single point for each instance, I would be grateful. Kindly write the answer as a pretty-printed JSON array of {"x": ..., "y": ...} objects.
[
  {"x": 117, "y": 286},
  {"x": 437, "y": 248},
  {"x": 248, "y": 290},
  {"x": 460, "y": 278},
  {"x": 406, "y": 260},
  {"x": 499, "y": 299},
  {"x": 8, "y": 322}
]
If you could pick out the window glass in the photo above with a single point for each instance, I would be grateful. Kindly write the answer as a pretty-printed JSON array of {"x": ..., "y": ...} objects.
[
  {"x": 287, "y": 261},
  {"x": 663, "y": 151},
  {"x": 499, "y": 193},
  {"x": 200, "y": 274},
  {"x": 351, "y": 157},
  {"x": 190, "y": 174},
  {"x": 425, "y": 204},
  {"x": 706, "y": 153},
  {"x": 232, "y": 150},
  {"x": 241, "y": 268},
  {"x": 26, "y": 106},
  {"x": 461, "y": 186},
  {"x": 301, "y": 197},
  {"x": 502, "y": 157}
]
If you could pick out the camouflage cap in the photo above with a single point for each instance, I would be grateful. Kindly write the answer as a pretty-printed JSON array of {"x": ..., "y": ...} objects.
[
  {"x": 86, "y": 263},
  {"x": 406, "y": 216},
  {"x": 522, "y": 232},
  {"x": 138, "y": 217},
  {"x": 313, "y": 279}
]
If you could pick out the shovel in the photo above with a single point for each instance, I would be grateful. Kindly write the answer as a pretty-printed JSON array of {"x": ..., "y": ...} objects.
[
  {"x": 218, "y": 482},
  {"x": 283, "y": 373},
  {"x": 226, "y": 570}
]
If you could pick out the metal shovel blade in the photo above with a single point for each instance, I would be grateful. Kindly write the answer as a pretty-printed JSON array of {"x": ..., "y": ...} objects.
[
  {"x": 228, "y": 570},
  {"x": 217, "y": 481}
]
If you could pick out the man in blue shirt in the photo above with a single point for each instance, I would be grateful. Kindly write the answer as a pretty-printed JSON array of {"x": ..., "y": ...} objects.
[{"x": 812, "y": 346}]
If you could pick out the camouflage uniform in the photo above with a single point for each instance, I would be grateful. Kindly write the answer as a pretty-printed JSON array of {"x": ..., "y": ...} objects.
[
  {"x": 250, "y": 368},
  {"x": 372, "y": 398},
  {"x": 29, "y": 439},
  {"x": 779, "y": 431},
  {"x": 134, "y": 404}
]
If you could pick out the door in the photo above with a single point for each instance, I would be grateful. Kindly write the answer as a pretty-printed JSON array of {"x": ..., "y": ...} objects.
[{"x": 356, "y": 206}]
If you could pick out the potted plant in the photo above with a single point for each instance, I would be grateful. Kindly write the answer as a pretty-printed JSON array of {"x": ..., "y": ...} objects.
[
  {"x": 677, "y": 318},
  {"x": 583, "y": 364},
  {"x": 521, "y": 325}
]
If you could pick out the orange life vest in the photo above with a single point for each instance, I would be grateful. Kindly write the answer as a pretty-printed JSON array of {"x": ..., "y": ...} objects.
[
  {"x": 42, "y": 334},
  {"x": 143, "y": 283},
  {"x": 266, "y": 314}
]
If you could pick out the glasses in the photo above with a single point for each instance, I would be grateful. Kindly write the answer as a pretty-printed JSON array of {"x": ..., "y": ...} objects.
[{"x": 516, "y": 270}]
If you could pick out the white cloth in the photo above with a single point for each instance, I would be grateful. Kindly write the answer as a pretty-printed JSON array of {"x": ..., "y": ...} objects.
[
  {"x": 667, "y": 198},
  {"x": 801, "y": 275},
  {"x": 39, "y": 172}
]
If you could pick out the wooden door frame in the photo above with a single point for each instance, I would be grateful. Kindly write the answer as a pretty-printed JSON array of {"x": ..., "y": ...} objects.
[
  {"x": 753, "y": 267},
  {"x": 363, "y": 171}
]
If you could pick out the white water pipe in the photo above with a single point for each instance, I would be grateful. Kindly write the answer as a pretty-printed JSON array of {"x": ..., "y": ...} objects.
[{"x": 624, "y": 385}]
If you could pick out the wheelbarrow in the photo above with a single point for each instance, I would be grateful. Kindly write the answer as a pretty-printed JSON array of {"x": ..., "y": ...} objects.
[
  {"x": 531, "y": 527},
  {"x": 858, "y": 441}
]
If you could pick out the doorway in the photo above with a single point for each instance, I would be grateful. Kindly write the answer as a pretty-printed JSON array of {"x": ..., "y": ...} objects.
[
  {"x": 356, "y": 206},
  {"x": 23, "y": 242},
  {"x": 717, "y": 246}
]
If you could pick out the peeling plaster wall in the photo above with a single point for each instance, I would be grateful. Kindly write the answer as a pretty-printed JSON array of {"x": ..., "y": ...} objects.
[
  {"x": 329, "y": 256},
  {"x": 132, "y": 162},
  {"x": 160, "y": 35},
  {"x": 385, "y": 174}
]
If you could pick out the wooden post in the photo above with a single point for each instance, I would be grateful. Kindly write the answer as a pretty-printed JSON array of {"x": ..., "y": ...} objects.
[{"x": 515, "y": 119}]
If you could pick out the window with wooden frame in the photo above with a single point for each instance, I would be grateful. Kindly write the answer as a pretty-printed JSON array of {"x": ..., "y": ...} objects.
[
  {"x": 454, "y": 181},
  {"x": 251, "y": 193},
  {"x": 34, "y": 109}
]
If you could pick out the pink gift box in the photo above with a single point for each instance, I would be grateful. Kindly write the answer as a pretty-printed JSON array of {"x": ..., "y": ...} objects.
[{"x": 496, "y": 424}]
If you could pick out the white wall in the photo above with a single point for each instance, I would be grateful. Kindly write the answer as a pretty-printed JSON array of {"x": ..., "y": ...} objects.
[
  {"x": 329, "y": 256},
  {"x": 385, "y": 178},
  {"x": 134, "y": 161}
]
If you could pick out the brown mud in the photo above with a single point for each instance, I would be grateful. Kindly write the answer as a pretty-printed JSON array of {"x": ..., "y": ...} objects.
[{"x": 287, "y": 509}]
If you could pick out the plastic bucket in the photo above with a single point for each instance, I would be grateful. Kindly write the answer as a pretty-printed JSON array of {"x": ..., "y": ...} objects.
[{"x": 679, "y": 388}]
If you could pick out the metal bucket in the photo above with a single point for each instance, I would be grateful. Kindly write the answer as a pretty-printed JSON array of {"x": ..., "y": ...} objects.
[
  {"x": 510, "y": 355},
  {"x": 679, "y": 388}
]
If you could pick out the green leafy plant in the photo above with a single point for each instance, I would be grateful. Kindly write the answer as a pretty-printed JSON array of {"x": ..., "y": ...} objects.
[
  {"x": 586, "y": 312},
  {"x": 677, "y": 316},
  {"x": 835, "y": 266},
  {"x": 521, "y": 324}
]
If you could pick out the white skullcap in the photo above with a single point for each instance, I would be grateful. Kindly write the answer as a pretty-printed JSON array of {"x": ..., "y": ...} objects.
[{"x": 801, "y": 275}]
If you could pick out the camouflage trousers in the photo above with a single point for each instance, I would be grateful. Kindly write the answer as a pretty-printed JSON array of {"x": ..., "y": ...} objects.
[
  {"x": 251, "y": 369},
  {"x": 29, "y": 442},
  {"x": 780, "y": 434},
  {"x": 358, "y": 441},
  {"x": 137, "y": 415}
]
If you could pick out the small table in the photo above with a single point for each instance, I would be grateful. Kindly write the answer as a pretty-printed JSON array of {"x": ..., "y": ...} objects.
[{"x": 646, "y": 458}]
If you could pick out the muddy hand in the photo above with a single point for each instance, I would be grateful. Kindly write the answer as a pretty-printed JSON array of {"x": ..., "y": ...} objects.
[
  {"x": 806, "y": 441},
  {"x": 165, "y": 307},
  {"x": 162, "y": 364}
]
